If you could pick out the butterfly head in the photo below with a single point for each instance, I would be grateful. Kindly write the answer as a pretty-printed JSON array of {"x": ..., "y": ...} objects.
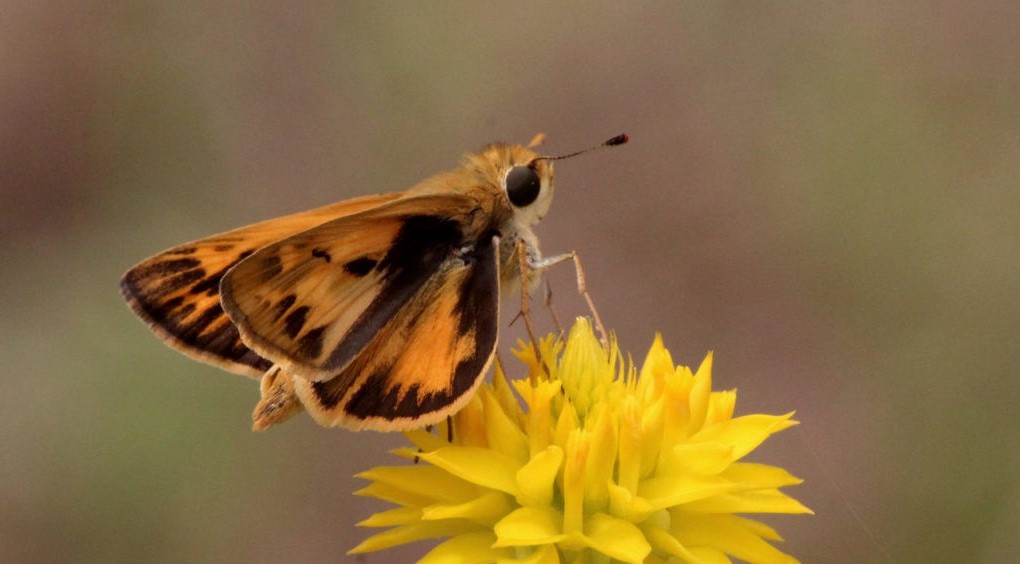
[
  {"x": 518, "y": 179},
  {"x": 527, "y": 185}
]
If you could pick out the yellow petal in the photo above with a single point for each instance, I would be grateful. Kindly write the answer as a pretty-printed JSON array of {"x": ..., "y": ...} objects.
[
  {"x": 705, "y": 459},
  {"x": 426, "y": 482},
  {"x": 759, "y": 501},
  {"x": 393, "y": 517},
  {"x": 720, "y": 407},
  {"x": 477, "y": 465},
  {"x": 413, "y": 533},
  {"x": 530, "y": 526},
  {"x": 470, "y": 548},
  {"x": 424, "y": 440},
  {"x": 538, "y": 398},
  {"x": 503, "y": 392},
  {"x": 616, "y": 538},
  {"x": 566, "y": 424},
  {"x": 745, "y": 433},
  {"x": 395, "y": 495},
  {"x": 657, "y": 364},
  {"x": 623, "y": 504},
  {"x": 676, "y": 418},
  {"x": 709, "y": 555},
  {"x": 662, "y": 541},
  {"x": 537, "y": 478},
  {"x": 728, "y": 533},
  {"x": 700, "y": 394},
  {"x": 630, "y": 445},
  {"x": 668, "y": 491},
  {"x": 601, "y": 461},
  {"x": 542, "y": 555},
  {"x": 575, "y": 459},
  {"x": 502, "y": 432},
  {"x": 754, "y": 475},
  {"x": 469, "y": 424},
  {"x": 485, "y": 509}
]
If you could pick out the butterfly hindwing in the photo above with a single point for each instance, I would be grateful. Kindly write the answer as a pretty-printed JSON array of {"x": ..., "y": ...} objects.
[
  {"x": 422, "y": 364},
  {"x": 313, "y": 301},
  {"x": 177, "y": 291}
]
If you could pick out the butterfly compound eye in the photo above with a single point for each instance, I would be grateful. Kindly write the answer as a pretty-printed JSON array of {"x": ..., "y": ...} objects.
[{"x": 522, "y": 185}]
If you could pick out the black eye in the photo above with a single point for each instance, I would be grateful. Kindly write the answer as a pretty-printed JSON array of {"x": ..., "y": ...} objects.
[{"x": 522, "y": 185}]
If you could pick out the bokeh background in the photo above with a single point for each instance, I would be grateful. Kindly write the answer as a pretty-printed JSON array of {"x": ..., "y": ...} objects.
[{"x": 825, "y": 194}]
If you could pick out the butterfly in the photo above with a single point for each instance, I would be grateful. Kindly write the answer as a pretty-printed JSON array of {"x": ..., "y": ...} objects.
[{"x": 379, "y": 312}]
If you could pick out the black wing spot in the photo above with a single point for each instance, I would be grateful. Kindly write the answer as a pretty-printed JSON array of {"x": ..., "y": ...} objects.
[
  {"x": 271, "y": 266},
  {"x": 294, "y": 322},
  {"x": 360, "y": 266},
  {"x": 310, "y": 345},
  {"x": 283, "y": 305},
  {"x": 322, "y": 253},
  {"x": 176, "y": 282},
  {"x": 163, "y": 269}
]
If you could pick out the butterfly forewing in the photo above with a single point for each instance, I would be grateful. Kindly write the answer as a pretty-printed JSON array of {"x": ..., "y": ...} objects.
[
  {"x": 177, "y": 291},
  {"x": 313, "y": 301},
  {"x": 423, "y": 362}
]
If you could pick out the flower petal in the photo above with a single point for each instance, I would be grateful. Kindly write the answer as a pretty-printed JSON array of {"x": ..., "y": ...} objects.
[
  {"x": 668, "y": 491},
  {"x": 701, "y": 392},
  {"x": 470, "y": 548},
  {"x": 425, "y": 482},
  {"x": 754, "y": 475},
  {"x": 485, "y": 509},
  {"x": 484, "y": 467},
  {"x": 503, "y": 392},
  {"x": 616, "y": 538},
  {"x": 729, "y": 533},
  {"x": 536, "y": 479},
  {"x": 663, "y": 542},
  {"x": 623, "y": 504},
  {"x": 705, "y": 458},
  {"x": 542, "y": 555},
  {"x": 530, "y": 526},
  {"x": 393, "y": 517},
  {"x": 469, "y": 425},
  {"x": 758, "y": 501},
  {"x": 538, "y": 425},
  {"x": 424, "y": 440},
  {"x": 412, "y": 533},
  {"x": 745, "y": 433},
  {"x": 501, "y": 430}
]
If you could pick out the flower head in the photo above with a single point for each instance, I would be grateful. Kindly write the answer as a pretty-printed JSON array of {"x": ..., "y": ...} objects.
[{"x": 603, "y": 462}]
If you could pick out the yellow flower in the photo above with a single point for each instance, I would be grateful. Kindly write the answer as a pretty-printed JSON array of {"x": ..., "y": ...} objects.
[{"x": 603, "y": 463}]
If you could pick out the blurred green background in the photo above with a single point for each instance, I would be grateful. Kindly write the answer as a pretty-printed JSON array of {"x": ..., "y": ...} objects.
[{"x": 825, "y": 195}]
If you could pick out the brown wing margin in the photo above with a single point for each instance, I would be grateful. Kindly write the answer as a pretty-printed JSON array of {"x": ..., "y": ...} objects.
[
  {"x": 426, "y": 362},
  {"x": 176, "y": 293},
  {"x": 168, "y": 294}
]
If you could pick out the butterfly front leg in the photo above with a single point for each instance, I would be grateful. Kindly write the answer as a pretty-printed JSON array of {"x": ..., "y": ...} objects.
[
  {"x": 278, "y": 403},
  {"x": 540, "y": 264}
]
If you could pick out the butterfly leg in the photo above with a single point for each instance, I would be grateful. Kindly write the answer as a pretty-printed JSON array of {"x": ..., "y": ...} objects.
[
  {"x": 549, "y": 306},
  {"x": 278, "y": 403},
  {"x": 527, "y": 269},
  {"x": 582, "y": 286}
]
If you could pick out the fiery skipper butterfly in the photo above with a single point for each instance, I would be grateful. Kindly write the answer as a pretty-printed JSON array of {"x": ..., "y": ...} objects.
[{"x": 378, "y": 312}]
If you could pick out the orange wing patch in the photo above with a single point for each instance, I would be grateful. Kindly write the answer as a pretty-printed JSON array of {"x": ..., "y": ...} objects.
[
  {"x": 313, "y": 301},
  {"x": 424, "y": 363}
]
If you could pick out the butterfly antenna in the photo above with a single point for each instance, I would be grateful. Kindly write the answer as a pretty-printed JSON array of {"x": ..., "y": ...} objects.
[{"x": 618, "y": 140}]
